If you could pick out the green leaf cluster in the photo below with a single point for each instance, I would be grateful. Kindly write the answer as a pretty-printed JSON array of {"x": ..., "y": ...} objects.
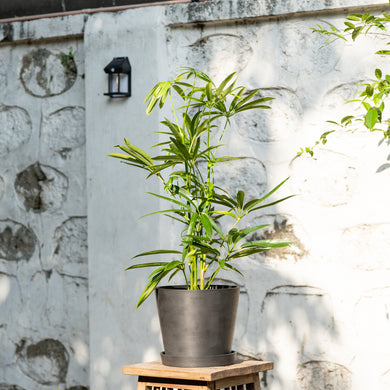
[
  {"x": 185, "y": 165},
  {"x": 373, "y": 95}
]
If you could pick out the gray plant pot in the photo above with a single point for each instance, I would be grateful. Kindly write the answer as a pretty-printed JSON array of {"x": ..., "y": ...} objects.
[{"x": 197, "y": 326}]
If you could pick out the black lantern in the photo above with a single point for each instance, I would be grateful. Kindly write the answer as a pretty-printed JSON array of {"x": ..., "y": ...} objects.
[{"x": 119, "y": 77}]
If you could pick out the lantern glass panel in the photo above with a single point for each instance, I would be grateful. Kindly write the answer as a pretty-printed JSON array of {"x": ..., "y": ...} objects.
[{"x": 119, "y": 83}]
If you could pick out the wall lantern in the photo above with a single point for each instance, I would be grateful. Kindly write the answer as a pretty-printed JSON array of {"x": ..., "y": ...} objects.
[{"x": 119, "y": 77}]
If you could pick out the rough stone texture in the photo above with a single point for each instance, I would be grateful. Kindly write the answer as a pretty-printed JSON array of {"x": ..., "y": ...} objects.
[
  {"x": 209, "y": 52},
  {"x": 41, "y": 188},
  {"x": 314, "y": 58},
  {"x": 310, "y": 290},
  {"x": 46, "y": 361},
  {"x": 17, "y": 242},
  {"x": 3, "y": 73},
  {"x": 326, "y": 170},
  {"x": 2, "y": 185},
  {"x": 43, "y": 309},
  {"x": 271, "y": 125},
  {"x": 44, "y": 73},
  {"x": 72, "y": 248},
  {"x": 15, "y": 128},
  {"x": 313, "y": 320},
  {"x": 5, "y": 386},
  {"x": 358, "y": 244},
  {"x": 318, "y": 375},
  {"x": 280, "y": 228},
  {"x": 71, "y": 119},
  {"x": 248, "y": 174},
  {"x": 11, "y": 304},
  {"x": 222, "y": 10},
  {"x": 340, "y": 94},
  {"x": 306, "y": 313},
  {"x": 78, "y": 388}
]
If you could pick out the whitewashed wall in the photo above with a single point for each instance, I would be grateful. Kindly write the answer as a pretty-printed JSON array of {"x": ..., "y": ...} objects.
[
  {"x": 319, "y": 310},
  {"x": 43, "y": 211}
]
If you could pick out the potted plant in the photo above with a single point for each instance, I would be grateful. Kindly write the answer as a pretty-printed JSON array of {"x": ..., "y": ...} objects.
[{"x": 185, "y": 166}]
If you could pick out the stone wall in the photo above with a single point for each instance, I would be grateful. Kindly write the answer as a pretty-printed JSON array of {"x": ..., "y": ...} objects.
[
  {"x": 43, "y": 217},
  {"x": 318, "y": 309}
]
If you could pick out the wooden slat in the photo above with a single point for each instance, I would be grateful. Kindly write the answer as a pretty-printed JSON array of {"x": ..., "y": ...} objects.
[
  {"x": 233, "y": 381},
  {"x": 255, "y": 384},
  {"x": 141, "y": 386},
  {"x": 157, "y": 386},
  {"x": 157, "y": 369}
]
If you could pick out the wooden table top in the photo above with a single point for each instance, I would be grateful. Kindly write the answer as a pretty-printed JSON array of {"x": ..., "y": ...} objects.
[{"x": 158, "y": 370}]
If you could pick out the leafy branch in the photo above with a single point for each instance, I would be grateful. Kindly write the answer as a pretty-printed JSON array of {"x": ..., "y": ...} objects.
[
  {"x": 194, "y": 198},
  {"x": 373, "y": 96}
]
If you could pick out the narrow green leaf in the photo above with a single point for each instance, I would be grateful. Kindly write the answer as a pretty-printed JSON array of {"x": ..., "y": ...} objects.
[
  {"x": 245, "y": 232},
  {"x": 253, "y": 203},
  {"x": 151, "y": 286},
  {"x": 181, "y": 204},
  {"x": 224, "y": 82},
  {"x": 223, "y": 212},
  {"x": 378, "y": 73},
  {"x": 246, "y": 252},
  {"x": 179, "y": 90},
  {"x": 356, "y": 32},
  {"x": 233, "y": 268},
  {"x": 349, "y": 24},
  {"x": 366, "y": 105},
  {"x": 121, "y": 156},
  {"x": 346, "y": 119},
  {"x": 371, "y": 118},
  {"x": 176, "y": 211},
  {"x": 266, "y": 244},
  {"x": 158, "y": 252},
  {"x": 240, "y": 199},
  {"x": 205, "y": 219},
  {"x": 216, "y": 227},
  {"x": 205, "y": 247},
  {"x": 144, "y": 265},
  {"x": 279, "y": 200},
  {"x": 354, "y": 17}
]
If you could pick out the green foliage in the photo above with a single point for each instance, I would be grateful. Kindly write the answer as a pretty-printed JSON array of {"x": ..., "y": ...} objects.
[
  {"x": 67, "y": 58},
  {"x": 194, "y": 198},
  {"x": 373, "y": 95}
]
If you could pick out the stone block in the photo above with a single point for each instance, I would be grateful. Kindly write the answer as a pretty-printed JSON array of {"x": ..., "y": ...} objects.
[
  {"x": 17, "y": 242},
  {"x": 366, "y": 246},
  {"x": 321, "y": 375},
  {"x": 270, "y": 125},
  {"x": 64, "y": 129},
  {"x": 220, "y": 54},
  {"x": 328, "y": 179},
  {"x": 47, "y": 73},
  {"x": 15, "y": 128},
  {"x": 46, "y": 362},
  {"x": 71, "y": 252},
  {"x": 41, "y": 188}
]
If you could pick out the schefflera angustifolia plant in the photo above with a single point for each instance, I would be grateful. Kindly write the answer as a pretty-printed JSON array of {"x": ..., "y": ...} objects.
[{"x": 185, "y": 166}]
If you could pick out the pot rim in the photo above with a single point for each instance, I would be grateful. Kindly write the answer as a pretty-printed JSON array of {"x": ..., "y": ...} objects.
[{"x": 214, "y": 287}]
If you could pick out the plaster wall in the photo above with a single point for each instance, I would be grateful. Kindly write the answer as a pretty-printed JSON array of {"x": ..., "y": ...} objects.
[
  {"x": 44, "y": 333},
  {"x": 319, "y": 310}
]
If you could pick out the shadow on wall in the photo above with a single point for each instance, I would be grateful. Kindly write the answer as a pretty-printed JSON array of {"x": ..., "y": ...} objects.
[{"x": 282, "y": 317}]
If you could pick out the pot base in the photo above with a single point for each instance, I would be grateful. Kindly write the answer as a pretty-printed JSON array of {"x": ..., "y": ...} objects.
[{"x": 203, "y": 361}]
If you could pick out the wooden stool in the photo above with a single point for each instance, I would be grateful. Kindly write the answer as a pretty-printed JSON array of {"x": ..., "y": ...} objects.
[{"x": 240, "y": 376}]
